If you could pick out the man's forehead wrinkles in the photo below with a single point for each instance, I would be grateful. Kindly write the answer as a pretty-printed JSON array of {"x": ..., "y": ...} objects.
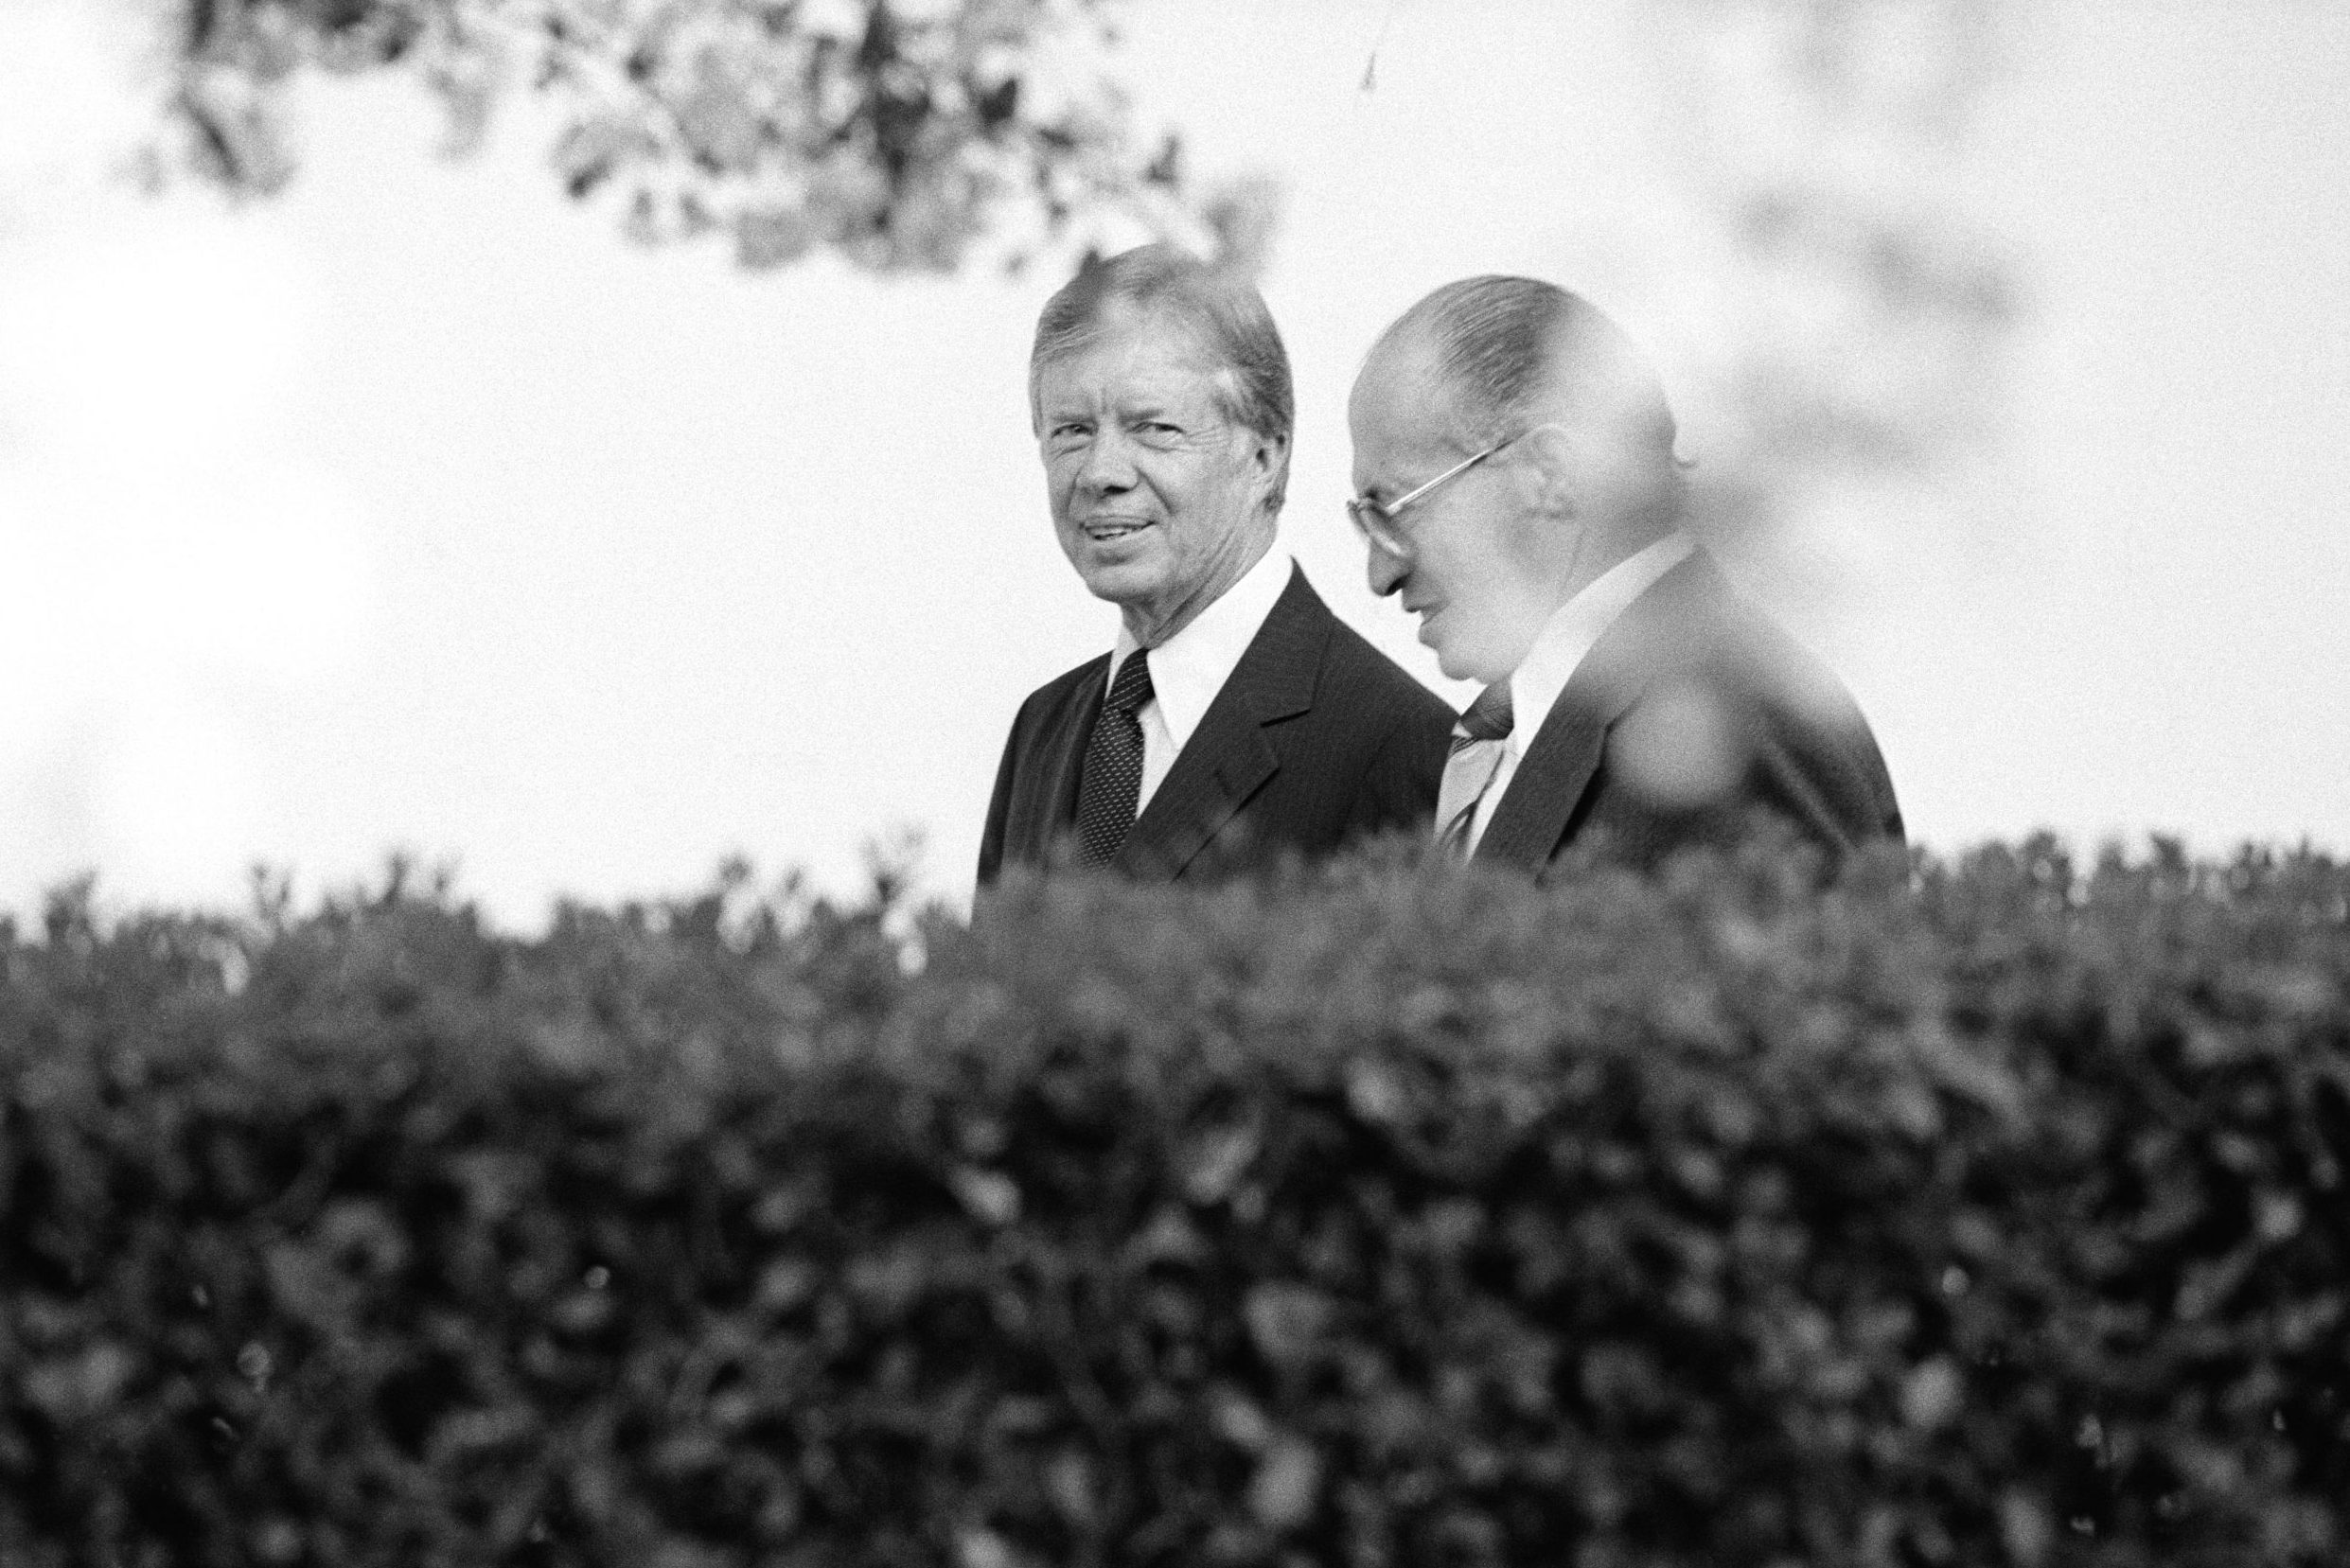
[
  {"x": 1141, "y": 408},
  {"x": 1164, "y": 386},
  {"x": 1162, "y": 389}
]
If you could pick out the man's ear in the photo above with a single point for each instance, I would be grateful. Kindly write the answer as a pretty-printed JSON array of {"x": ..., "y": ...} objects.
[
  {"x": 1270, "y": 458},
  {"x": 1269, "y": 452},
  {"x": 1555, "y": 465}
]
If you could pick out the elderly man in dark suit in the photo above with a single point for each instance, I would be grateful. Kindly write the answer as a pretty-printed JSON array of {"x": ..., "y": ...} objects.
[
  {"x": 1514, "y": 459},
  {"x": 1235, "y": 720}
]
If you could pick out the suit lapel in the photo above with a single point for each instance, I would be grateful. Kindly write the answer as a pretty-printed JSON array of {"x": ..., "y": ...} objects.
[
  {"x": 1550, "y": 784},
  {"x": 1229, "y": 758},
  {"x": 1044, "y": 802}
]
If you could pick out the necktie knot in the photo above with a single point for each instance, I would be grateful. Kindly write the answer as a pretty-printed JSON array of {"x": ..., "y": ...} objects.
[
  {"x": 1489, "y": 717},
  {"x": 1476, "y": 759},
  {"x": 1132, "y": 688}
]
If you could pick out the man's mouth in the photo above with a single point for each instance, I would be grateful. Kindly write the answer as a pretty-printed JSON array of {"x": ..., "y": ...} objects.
[{"x": 1104, "y": 529}]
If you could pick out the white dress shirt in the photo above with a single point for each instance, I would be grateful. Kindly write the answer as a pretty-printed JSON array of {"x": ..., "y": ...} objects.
[
  {"x": 1191, "y": 667},
  {"x": 1572, "y": 631}
]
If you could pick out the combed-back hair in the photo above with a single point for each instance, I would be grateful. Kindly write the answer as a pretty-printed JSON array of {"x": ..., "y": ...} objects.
[
  {"x": 1221, "y": 311},
  {"x": 1512, "y": 352}
]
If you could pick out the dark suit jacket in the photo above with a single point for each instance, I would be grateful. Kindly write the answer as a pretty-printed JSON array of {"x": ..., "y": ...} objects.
[
  {"x": 1316, "y": 740},
  {"x": 1690, "y": 722}
]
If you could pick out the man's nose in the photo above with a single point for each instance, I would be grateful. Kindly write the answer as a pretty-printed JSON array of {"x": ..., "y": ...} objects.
[
  {"x": 1108, "y": 467},
  {"x": 1384, "y": 570}
]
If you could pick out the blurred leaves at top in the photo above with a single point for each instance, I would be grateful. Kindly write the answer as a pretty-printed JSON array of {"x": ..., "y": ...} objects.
[
  {"x": 1866, "y": 302},
  {"x": 899, "y": 134},
  {"x": 1860, "y": 303}
]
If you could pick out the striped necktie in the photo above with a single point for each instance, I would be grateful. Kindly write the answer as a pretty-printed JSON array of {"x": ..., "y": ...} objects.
[
  {"x": 1110, "y": 780},
  {"x": 1478, "y": 739}
]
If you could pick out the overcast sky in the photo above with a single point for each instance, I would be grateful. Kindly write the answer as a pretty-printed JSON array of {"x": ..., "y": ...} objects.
[{"x": 418, "y": 509}]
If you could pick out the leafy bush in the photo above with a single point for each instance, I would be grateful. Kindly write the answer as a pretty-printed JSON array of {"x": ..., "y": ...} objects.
[{"x": 1984, "y": 1212}]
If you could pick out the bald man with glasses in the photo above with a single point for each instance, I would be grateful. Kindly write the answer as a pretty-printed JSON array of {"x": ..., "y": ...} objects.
[{"x": 1517, "y": 490}]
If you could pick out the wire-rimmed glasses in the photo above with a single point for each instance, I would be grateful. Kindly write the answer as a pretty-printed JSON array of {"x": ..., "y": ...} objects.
[{"x": 1375, "y": 521}]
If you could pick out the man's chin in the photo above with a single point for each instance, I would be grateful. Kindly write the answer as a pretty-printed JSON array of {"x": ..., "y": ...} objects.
[
  {"x": 1462, "y": 663},
  {"x": 1121, "y": 583},
  {"x": 1451, "y": 657}
]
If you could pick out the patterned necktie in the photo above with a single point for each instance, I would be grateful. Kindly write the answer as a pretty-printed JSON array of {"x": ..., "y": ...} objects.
[
  {"x": 1111, "y": 778},
  {"x": 1477, "y": 743}
]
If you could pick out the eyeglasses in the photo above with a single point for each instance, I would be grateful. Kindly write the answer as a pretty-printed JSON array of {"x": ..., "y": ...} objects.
[{"x": 1375, "y": 521}]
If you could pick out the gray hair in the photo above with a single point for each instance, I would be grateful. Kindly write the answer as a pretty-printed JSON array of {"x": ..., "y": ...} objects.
[
  {"x": 1511, "y": 352},
  {"x": 1220, "y": 309}
]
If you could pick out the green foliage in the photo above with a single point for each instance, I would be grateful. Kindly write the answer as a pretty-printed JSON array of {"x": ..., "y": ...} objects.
[
  {"x": 896, "y": 134},
  {"x": 1986, "y": 1213}
]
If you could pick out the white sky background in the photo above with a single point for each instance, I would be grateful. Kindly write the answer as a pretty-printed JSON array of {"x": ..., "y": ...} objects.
[{"x": 418, "y": 509}]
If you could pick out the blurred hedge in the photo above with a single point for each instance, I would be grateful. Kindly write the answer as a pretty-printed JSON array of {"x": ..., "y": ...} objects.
[{"x": 1988, "y": 1212}]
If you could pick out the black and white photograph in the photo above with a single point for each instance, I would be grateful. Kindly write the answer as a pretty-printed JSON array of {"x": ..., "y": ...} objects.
[{"x": 1143, "y": 783}]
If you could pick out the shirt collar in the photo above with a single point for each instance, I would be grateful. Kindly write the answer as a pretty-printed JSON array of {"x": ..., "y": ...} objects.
[
  {"x": 1575, "y": 628},
  {"x": 1191, "y": 667}
]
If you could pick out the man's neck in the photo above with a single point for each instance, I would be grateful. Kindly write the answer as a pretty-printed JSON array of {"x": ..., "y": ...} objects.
[{"x": 1150, "y": 626}]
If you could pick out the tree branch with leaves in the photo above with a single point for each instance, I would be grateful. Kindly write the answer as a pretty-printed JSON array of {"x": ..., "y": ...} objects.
[{"x": 898, "y": 134}]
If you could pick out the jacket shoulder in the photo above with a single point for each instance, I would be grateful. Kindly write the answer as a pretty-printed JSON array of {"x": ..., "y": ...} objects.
[
  {"x": 1772, "y": 699},
  {"x": 1745, "y": 648},
  {"x": 1356, "y": 667},
  {"x": 1062, "y": 688},
  {"x": 1694, "y": 624}
]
